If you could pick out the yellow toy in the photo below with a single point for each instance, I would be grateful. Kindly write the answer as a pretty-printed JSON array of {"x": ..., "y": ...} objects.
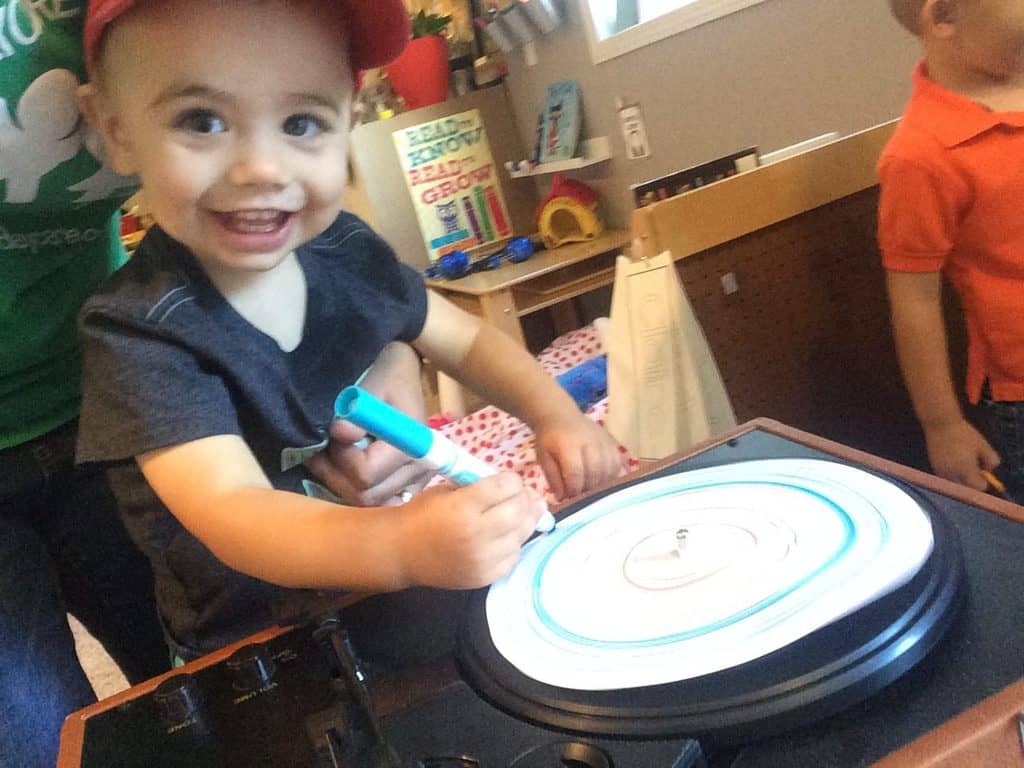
[{"x": 569, "y": 213}]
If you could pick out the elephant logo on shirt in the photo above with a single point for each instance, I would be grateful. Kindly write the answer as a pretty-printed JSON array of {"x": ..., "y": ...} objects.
[{"x": 45, "y": 130}]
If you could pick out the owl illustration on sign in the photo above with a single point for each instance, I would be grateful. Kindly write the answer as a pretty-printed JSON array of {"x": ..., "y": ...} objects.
[{"x": 448, "y": 215}]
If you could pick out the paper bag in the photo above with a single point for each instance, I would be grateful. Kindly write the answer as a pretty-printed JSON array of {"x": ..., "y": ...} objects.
[{"x": 665, "y": 393}]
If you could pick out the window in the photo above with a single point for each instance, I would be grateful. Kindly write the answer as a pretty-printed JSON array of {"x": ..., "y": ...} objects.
[{"x": 615, "y": 27}]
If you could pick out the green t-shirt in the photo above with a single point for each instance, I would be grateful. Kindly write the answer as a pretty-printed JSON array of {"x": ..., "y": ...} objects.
[{"x": 58, "y": 215}]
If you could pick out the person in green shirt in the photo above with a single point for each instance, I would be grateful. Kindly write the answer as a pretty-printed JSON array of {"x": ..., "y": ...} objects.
[{"x": 63, "y": 547}]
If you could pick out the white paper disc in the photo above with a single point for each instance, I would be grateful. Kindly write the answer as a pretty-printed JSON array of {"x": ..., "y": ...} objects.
[{"x": 700, "y": 571}]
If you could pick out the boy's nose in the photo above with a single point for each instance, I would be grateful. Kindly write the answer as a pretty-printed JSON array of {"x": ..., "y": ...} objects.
[{"x": 258, "y": 163}]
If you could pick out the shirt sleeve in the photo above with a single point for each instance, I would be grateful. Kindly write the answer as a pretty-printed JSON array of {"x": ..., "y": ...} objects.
[
  {"x": 416, "y": 294},
  {"x": 918, "y": 214},
  {"x": 141, "y": 392},
  {"x": 392, "y": 286}
]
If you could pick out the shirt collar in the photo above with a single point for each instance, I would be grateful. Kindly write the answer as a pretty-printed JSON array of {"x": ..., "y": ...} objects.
[{"x": 950, "y": 117}]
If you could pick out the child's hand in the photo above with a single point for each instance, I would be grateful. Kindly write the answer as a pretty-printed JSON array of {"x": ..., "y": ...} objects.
[
  {"x": 379, "y": 474},
  {"x": 577, "y": 455},
  {"x": 366, "y": 477},
  {"x": 468, "y": 537},
  {"x": 958, "y": 452}
]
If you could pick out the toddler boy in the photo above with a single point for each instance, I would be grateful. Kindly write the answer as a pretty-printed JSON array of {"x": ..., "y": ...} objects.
[
  {"x": 214, "y": 357},
  {"x": 952, "y": 201}
]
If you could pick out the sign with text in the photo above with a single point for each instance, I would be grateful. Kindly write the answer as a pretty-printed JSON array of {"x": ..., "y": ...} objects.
[{"x": 450, "y": 173}]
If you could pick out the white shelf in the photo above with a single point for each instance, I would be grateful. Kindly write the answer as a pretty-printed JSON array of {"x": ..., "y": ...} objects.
[{"x": 595, "y": 150}]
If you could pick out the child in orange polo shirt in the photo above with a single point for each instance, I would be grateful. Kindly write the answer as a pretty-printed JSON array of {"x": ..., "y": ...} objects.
[{"x": 952, "y": 202}]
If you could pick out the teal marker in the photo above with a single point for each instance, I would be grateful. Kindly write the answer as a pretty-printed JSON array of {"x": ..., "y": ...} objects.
[{"x": 418, "y": 441}]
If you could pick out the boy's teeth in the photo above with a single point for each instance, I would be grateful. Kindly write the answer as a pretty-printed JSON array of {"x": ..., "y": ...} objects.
[{"x": 255, "y": 221}]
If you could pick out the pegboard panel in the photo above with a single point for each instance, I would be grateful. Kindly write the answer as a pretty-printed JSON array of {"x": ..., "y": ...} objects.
[{"x": 806, "y": 339}]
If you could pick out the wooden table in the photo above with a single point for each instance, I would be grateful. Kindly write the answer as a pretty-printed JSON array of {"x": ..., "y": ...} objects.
[{"x": 546, "y": 280}]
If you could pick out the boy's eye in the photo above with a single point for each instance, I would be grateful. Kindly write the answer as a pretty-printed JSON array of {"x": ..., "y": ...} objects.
[
  {"x": 200, "y": 121},
  {"x": 304, "y": 126}
]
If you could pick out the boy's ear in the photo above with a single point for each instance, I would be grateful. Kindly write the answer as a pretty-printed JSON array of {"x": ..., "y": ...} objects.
[
  {"x": 98, "y": 113},
  {"x": 939, "y": 16}
]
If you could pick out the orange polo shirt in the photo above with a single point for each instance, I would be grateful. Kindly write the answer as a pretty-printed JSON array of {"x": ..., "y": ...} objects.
[{"x": 952, "y": 199}]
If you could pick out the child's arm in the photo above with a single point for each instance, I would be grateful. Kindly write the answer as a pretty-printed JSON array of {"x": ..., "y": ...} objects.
[
  {"x": 575, "y": 454},
  {"x": 378, "y": 474},
  {"x": 462, "y": 538},
  {"x": 956, "y": 450}
]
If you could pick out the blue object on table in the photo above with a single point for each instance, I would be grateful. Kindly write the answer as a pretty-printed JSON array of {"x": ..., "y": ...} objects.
[
  {"x": 587, "y": 382},
  {"x": 417, "y": 440},
  {"x": 457, "y": 264},
  {"x": 519, "y": 249},
  {"x": 454, "y": 264}
]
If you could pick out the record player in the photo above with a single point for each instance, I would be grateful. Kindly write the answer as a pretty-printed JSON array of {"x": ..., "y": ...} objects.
[{"x": 603, "y": 664}]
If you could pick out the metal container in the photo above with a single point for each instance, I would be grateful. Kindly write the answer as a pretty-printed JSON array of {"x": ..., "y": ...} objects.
[
  {"x": 543, "y": 13},
  {"x": 515, "y": 20},
  {"x": 498, "y": 31}
]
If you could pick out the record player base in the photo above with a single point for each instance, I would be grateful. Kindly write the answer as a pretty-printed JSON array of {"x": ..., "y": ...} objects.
[{"x": 979, "y": 656}]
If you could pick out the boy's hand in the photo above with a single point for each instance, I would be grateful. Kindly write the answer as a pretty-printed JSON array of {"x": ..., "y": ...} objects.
[
  {"x": 468, "y": 537},
  {"x": 379, "y": 474},
  {"x": 577, "y": 455},
  {"x": 366, "y": 477},
  {"x": 958, "y": 452}
]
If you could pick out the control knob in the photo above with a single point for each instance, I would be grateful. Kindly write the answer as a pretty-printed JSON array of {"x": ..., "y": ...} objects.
[{"x": 252, "y": 667}]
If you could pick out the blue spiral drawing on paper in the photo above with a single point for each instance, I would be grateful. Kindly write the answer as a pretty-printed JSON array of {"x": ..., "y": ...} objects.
[{"x": 561, "y": 535}]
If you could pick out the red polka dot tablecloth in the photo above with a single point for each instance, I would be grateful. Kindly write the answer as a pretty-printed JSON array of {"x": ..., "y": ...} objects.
[{"x": 506, "y": 442}]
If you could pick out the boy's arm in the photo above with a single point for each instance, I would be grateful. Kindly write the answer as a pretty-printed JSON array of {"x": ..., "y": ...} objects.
[
  {"x": 956, "y": 450},
  {"x": 463, "y": 538},
  {"x": 575, "y": 454}
]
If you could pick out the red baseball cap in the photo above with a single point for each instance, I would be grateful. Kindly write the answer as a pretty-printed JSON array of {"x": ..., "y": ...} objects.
[{"x": 378, "y": 29}]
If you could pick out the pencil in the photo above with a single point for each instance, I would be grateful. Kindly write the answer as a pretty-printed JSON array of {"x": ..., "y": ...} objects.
[{"x": 994, "y": 482}]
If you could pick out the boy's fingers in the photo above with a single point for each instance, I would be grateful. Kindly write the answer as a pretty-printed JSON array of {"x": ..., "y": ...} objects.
[
  {"x": 599, "y": 464},
  {"x": 344, "y": 466},
  {"x": 325, "y": 469},
  {"x": 509, "y": 516},
  {"x": 549, "y": 466},
  {"x": 383, "y": 462},
  {"x": 574, "y": 475},
  {"x": 400, "y": 486},
  {"x": 370, "y": 477},
  {"x": 345, "y": 432},
  {"x": 537, "y": 509},
  {"x": 990, "y": 459},
  {"x": 493, "y": 490}
]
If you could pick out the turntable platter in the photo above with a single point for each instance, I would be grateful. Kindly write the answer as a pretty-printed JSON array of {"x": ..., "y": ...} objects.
[{"x": 730, "y": 600}]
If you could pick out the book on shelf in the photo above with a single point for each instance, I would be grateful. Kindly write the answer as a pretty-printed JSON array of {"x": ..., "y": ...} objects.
[
  {"x": 560, "y": 131},
  {"x": 675, "y": 183}
]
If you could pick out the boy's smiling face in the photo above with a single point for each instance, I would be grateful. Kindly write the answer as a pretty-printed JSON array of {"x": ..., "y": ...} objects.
[{"x": 235, "y": 114}]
